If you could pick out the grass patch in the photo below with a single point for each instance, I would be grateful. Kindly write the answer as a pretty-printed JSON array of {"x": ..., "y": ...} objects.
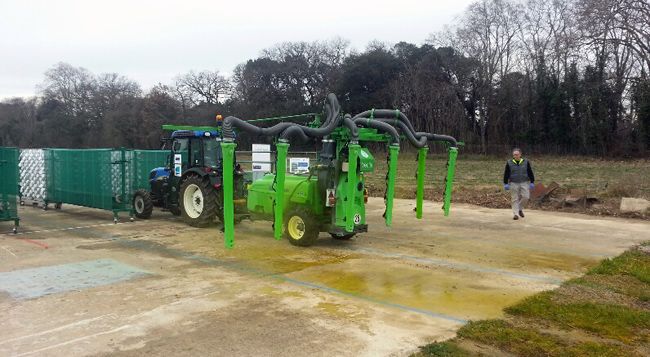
[
  {"x": 633, "y": 262},
  {"x": 519, "y": 341},
  {"x": 610, "y": 321},
  {"x": 627, "y": 274},
  {"x": 442, "y": 349}
]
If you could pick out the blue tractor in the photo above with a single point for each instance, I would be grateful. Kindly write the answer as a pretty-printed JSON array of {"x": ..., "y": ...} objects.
[{"x": 190, "y": 185}]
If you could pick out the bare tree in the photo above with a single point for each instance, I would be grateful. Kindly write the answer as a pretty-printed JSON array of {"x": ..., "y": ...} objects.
[
  {"x": 71, "y": 86},
  {"x": 311, "y": 68},
  {"x": 488, "y": 32},
  {"x": 548, "y": 33},
  {"x": 205, "y": 87}
]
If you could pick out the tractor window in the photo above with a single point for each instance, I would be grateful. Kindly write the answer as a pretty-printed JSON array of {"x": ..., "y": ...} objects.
[
  {"x": 180, "y": 147},
  {"x": 196, "y": 152},
  {"x": 212, "y": 153}
]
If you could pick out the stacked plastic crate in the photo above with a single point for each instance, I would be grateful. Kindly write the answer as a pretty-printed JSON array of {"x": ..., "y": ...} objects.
[{"x": 33, "y": 178}]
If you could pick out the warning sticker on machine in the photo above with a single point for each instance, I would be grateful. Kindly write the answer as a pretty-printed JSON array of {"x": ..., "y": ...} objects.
[{"x": 178, "y": 165}]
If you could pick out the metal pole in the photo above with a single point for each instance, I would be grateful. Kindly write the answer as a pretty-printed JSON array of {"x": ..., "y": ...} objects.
[
  {"x": 422, "y": 158},
  {"x": 353, "y": 154},
  {"x": 393, "y": 151},
  {"x": 228, "y": 151},
  {"x": 449, "y": 181},
  {"x": 280, "y": 171}
]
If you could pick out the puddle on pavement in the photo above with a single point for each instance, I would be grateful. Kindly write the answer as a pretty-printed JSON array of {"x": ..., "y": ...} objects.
[
  {"x": 281, "y": 258},
  {"x": 459, "y": 294},
  {"x": 574, "y": 265},
  {"x": 512, "y": 258}
]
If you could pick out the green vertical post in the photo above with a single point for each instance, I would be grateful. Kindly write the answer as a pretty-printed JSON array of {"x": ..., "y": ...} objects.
[
  {"x": 282, "y": 149},
  {"x": 228, "y": 153},
  {"x": 393, "y": 152},
  {"x": 449, "y": 180},
  {"x": 123, "y": 199},
  {"x": 353, "y": 155},
  {"x": 422, "y": 159}
]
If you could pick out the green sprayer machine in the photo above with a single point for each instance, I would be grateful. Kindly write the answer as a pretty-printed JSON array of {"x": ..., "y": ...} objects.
[{"x": 203, "y": 180}]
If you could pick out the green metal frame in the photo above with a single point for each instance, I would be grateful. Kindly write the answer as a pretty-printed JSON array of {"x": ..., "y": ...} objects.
[
  {"x": 449, "y": 180},
  {"x": 228, "y": 154},
  {"x": 168, "y": 127},
  {"x": 280, "y": 173},
  {"x": 419, "y": 200},
  {"x": 9, "y": 186},
  {"x": 393, "y": 152},
  {"x": 353, "y": 155}
]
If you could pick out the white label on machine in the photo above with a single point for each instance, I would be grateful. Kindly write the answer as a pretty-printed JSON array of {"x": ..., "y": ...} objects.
[
  {"x": 357, "y": 218},
  {"x": 298, "y": 165},
  {"x": 261, "y": 158},
  {"x": 178, "y": 165}
]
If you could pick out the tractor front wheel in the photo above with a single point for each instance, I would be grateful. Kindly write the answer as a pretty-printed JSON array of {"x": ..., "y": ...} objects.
[
  {"x": 301, "y": 228},
  {"x": 198, "y": 202},
  {"x": 142, "y": 204}
]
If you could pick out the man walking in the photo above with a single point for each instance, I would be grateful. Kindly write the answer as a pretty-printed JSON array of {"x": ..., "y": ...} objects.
[{"x": 518, "y": 177}]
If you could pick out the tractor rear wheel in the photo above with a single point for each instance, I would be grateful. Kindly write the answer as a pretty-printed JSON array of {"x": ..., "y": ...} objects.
[
  {"x": 300, "y": 227},
  {"x": 142, "y": 204},
  {"x": 198, "y": 201},
  {"x": 343, "y": 236}
]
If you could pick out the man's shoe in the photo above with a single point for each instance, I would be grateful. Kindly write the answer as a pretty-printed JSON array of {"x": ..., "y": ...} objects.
[
  {"x": 521, "y": 214},
  {"x": 515, "y": 217}
]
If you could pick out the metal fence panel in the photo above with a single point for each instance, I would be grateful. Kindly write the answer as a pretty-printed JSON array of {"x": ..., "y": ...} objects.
[
  {"x": 9, "y": 188},
  {"x": 97, "y": 178},
  {"x": 143, "y": 162}
]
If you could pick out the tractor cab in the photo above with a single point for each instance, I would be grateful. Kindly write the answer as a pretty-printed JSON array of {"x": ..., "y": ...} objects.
[
  {"x": 195, "y": 149},
  {"x": 189, "y": 149}
]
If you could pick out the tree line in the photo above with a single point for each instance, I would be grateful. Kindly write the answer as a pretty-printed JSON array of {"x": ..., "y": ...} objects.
[{"x": 561, "y": 77}]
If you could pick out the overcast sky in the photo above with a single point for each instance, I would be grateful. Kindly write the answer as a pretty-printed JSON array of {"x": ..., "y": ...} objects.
[{"x": 153, "y": 41}]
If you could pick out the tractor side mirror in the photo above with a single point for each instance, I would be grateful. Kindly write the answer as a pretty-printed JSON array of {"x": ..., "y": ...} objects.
[{"x": 163, "y": 142}]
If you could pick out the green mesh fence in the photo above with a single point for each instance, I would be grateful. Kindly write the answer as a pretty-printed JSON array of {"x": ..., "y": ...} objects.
[
  {"x": 9, "y": 184},
  {"x": 143, "y": 162},
  {"x": 97, "y": 178}
]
